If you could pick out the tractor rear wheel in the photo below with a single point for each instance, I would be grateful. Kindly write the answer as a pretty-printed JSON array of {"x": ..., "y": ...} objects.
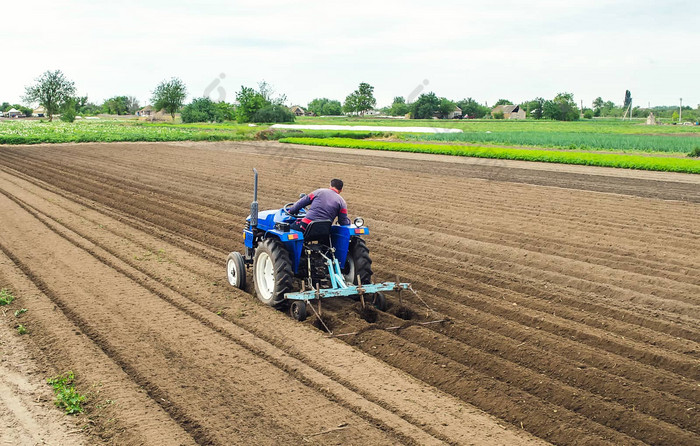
[
  {"x": 358, "y": 262},
  {"x": 272, "y": 272}
]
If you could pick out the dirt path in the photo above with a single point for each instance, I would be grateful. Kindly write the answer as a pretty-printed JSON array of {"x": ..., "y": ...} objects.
[{"x": 571, "y": 296}]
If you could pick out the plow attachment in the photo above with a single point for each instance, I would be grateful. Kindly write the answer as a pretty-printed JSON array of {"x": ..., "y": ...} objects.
[{"x": 347, "y": 291}]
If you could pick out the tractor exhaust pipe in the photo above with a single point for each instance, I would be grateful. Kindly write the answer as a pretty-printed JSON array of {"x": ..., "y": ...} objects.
[{"x": 254, "y": 204}]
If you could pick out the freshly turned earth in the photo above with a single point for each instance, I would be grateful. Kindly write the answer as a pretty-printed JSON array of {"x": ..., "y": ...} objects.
[{"x": 568, "y": 297}]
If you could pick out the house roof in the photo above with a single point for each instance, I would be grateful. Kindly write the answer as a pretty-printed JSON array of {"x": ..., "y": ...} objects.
[
  {"x": 296, "y": 107},
  {"x": 146, "y": 108},
  {"x": 13, "y": 110},
  {"x": 506, "y": 109}
]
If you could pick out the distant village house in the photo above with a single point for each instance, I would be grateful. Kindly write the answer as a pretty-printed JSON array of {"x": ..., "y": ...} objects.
[
  {"x": 509, "y": 111},
  {"x": 39, "y": 112},
  {"x": 298, "y": 111},
  {"x": 146, "y": 111},
  {"x": 14, "y": 113}
]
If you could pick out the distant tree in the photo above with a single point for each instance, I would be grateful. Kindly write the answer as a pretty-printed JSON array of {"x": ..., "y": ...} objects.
[
  {"x": 361, "y": 100},
  {"x": 250, "y": 101},
  {"x": 267, "y": 91},
  {"x": 398, "y": 107},
  {"x": 84, "y": 107},
  {"x": 68, "y": 110},
  {"x": 51, "y": 90},
  {"x": 118, "y": 105},
  {"x": 273, "y": 113},
  {"x": 169, "y": 95},
  {"x": 226, "y": 111},
  {"x": 588, "y": 114},
  {"x": 333, "y": 108},
  {"x": 425, "y": 106},
  {"x": 502, "y": 102},
  {"x": 325, "y": 107},
  {"x": 561, "y": 108},
  {"x": 598, "y": 104},
  {"x": 132, "y": 105},
  {"x": 534, "y": 108},
  {"x": 5, "y": 106},
  {"x": 628, "y": 100},
  {"x": 200, "y": 110},
  {"x": 445, "y": 108},
  {"x": 473, "y": 109},
  {"x": 26, "y": 111},
  {"x": 350, "y": 104}
]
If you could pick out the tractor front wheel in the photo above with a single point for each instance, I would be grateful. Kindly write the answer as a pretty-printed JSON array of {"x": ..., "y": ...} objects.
[
  {"x": 235, "y": 270},
  {"x": 272, "y": 272}
]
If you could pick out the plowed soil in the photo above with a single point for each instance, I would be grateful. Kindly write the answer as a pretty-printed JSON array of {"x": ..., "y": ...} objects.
[{"x": 568, "y": 298}]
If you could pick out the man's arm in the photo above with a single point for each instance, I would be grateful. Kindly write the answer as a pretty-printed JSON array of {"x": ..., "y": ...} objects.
[
  {"x": 343, "y": 216},
  {"x": 303, "y": 202}
]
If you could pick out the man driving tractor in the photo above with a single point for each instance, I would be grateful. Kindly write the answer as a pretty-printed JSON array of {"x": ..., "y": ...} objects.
[{"x": 326, "y": 204}]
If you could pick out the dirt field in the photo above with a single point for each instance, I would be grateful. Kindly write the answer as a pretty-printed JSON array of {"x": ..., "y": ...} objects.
[{"x": 570, "y": 293}]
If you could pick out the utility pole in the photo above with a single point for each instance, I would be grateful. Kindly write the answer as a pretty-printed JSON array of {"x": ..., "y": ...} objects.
[
  {"x": 581, "y": 108},
  {"x": 680, "y": 111}
]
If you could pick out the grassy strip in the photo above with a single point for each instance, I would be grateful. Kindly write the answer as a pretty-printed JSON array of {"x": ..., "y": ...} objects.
[
  {"x": 547, "y": 156},
  {"x": 276, "y": 134}
]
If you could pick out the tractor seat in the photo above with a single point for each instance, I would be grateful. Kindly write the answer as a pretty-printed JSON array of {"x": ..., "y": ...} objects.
[{"x": 318, "y": 230}]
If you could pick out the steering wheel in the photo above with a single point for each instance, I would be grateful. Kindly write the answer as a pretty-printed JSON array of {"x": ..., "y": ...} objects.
[{"x": 286, "y": 207}]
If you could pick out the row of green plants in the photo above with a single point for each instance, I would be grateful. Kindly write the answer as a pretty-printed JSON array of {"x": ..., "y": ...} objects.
[
  {"x": 568, "y": 140},
  {"x": 34, "y": 132},
  {"x": 527, "y": 125},
  {"x": 667, "y": 164}
]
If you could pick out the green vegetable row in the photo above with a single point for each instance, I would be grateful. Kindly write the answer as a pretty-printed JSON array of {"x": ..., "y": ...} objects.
[{"x": 666, "y": 164}]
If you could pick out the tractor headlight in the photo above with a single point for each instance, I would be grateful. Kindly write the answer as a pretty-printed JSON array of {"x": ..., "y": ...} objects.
[{"x": 359, "y": 221}]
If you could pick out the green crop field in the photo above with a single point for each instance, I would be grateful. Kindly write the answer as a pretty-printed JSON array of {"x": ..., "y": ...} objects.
[
  {"x": 35, "y": 132},
  {"x": 609, "y": 135},
  {"x": 588, "y": 135},
  {"x": 668, "y": 164}
]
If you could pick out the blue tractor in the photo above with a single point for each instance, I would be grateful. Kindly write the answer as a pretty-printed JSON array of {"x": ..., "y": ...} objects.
[{"x": 292, "y": 268}]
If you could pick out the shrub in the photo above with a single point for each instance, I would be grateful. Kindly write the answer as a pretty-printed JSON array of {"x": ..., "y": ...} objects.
[
  {"x": 588, "y": 114},
  {"x": 201, "y": 110},
  {"x": 498, "y": 115},
  {"x": 695, "y": 153},
  {"x": 273, "y": 113},
  {"x": 68, "y": 111}
]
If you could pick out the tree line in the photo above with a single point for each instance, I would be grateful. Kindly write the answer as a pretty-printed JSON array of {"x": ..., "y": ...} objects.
[{"x": 56, "y": 93}]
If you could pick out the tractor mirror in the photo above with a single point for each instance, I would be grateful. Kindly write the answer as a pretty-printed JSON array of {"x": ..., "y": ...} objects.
[{"x": 301, "y": 196}]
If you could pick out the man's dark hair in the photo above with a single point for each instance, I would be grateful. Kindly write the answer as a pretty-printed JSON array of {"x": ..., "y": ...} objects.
[{"x": 338, "y": 184}]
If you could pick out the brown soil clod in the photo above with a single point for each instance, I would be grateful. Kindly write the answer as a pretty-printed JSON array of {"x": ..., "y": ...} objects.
[{"x": 404, "y": 313}]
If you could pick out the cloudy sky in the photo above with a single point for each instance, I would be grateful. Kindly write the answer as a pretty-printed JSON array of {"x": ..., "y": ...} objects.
[{"x": 306, "y": 49}]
